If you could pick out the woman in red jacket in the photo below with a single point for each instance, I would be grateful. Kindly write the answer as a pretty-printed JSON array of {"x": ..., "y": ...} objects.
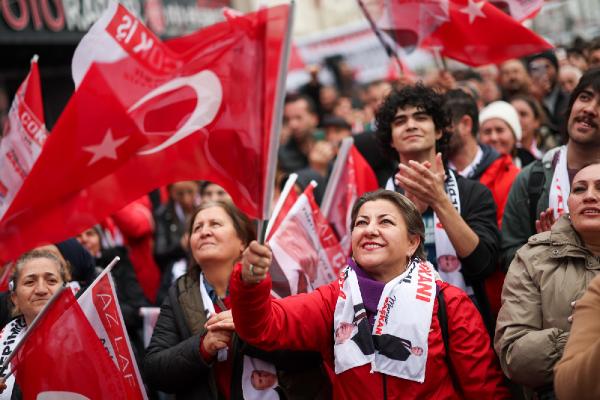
[{"x": 378, "y": 327}]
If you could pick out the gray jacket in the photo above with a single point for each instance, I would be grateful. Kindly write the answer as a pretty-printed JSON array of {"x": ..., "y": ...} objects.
[{"x": 552, "y": 270}]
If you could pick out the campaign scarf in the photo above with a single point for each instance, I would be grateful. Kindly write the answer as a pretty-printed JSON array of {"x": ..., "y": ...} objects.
[
  {"x": 448, "y": 264},
  {"x": 397, "y": 345},
  {"x": 9, "y": 337},
  {"x": 256, "y": 373},
  {"x": 561, "y": 187}
]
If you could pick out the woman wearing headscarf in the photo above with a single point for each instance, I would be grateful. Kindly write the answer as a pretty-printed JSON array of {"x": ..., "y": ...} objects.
[
  {"x": 546, "y": 276},
  {"x": 387, "y": 328}
]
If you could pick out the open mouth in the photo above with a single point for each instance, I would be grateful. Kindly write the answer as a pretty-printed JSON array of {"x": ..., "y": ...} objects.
[
  {"x": 372, "y": 246},
  {"x": 590, "y": 211},
  {"x": 586, "y": 122}
]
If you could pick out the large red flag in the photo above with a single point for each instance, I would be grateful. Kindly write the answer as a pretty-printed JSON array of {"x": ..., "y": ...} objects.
[
  {"x": 101, "y": 307},
  {"x": 306, "y": 252},
  {"x": 63, "y": 358},
  {"x": 471, "y": 31},
  {"x": 204, "y": 102},
  {"x": 23, "y": 137},
  {"x": 350, "y": 178}
]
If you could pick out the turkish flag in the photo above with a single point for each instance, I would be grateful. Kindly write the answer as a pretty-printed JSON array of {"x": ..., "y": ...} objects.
[
  {"x": 519, "y": 9},
  {"x": 477, "y": 33},
  {"x": 23, "y": 137},
  {"x": 63, "y": 358},
  {"x": 305, "y": 250},
  {"x": 101, "y": 307},
  {"x": 350, "y": 178},
  {"x": 470, "y": 31},
  {"x": 201, "y": 105}
]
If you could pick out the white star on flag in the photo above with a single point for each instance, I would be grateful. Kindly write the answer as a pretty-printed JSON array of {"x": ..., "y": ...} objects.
[
  {"x": 473, "y": 10},
  {"x": 106, "y": 149}
]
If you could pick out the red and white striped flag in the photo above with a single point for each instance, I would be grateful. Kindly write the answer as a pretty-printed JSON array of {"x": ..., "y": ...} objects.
[
  {"x": 350, "y": 178},
  {"x": 305, "y": 249},
  {"x": 101, "y": 307},
  {"x": 286, "y": 201},
  {"x": 23, "y": 137}
]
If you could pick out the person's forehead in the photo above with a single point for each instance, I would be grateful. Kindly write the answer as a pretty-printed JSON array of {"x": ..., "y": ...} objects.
[{"x": 410, "y": 109}]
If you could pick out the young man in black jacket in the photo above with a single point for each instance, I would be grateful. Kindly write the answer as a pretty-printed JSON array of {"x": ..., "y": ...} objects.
[{"x": 462, "y": 238}]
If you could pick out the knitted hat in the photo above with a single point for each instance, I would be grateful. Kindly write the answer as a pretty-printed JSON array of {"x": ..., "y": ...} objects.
[{"x": 504, "y": 111}]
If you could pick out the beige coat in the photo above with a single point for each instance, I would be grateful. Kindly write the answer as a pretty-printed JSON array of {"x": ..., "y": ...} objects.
[
  {"x": 576, "y": 375},
  {"x": 552, "y": 270}
]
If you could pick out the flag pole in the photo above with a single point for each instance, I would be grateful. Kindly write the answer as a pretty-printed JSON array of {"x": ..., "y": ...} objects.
[
  {"x": 30, "y": 329},
  {"x": 386, "y": 46},
  {"x": 276, "y": 125},
  {"x": 106, "y": 270},
  {"x": 336, "y": 172},
  {"x": 289, "y": 185}
]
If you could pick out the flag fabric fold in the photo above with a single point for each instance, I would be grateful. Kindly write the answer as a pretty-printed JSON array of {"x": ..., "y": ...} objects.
[
  {"x": 350, "y": 178},
  {"x": 306, "y": 252},
  {"x": 23, "y": 137},
  {"x": 63, "y": 358},
  {"x": 186, "y": 109},
  {"x": 470, "y": 31},
  {"x": 101, "y": 308}
]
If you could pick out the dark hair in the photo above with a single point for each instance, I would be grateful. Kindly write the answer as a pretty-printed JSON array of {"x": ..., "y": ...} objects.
[
  {"x": 244, "y": 227},
  {"x": 459, "y": 103},
  {"x": 410, "y": 214},
  {"x": 421, "y": 97},
  {"x": 536, "y": 107},
  {"x": 590, "y": 79},
  {"x": 310, "y": 104}
]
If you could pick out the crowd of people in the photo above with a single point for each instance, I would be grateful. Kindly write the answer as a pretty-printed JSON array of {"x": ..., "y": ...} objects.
[{"x": 471, "y": 273}]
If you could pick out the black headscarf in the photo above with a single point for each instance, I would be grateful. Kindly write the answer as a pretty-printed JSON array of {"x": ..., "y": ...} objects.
[{"x": 81, "y": 261}]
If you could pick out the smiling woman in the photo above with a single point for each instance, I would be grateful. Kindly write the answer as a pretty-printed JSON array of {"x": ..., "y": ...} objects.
[
  {"x": 38, "y": 275},
  {"x": 194, "y": 351},
  {"x": 546, "y": 277},
  {"x": 377, "y": 326}
]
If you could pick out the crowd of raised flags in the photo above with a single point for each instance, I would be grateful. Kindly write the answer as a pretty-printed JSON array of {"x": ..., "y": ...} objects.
[{"x": 206, "y": 106}]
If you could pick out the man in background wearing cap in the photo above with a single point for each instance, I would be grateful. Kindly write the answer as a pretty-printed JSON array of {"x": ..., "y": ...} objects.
[
  {"x": 543, "y": 68},
  {"x": 538, "y": 195}
]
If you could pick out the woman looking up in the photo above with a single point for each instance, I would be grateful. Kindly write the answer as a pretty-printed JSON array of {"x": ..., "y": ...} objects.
[
  {"x": 545, "y": 278},
  {"x": 195, "y": 352}
]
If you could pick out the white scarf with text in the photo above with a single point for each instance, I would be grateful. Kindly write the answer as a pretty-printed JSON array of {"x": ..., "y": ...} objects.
[{"x": 397, "y": 345}]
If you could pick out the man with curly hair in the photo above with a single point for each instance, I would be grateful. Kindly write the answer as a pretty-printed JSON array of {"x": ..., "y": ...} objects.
[{"x": 462, "y": 238}]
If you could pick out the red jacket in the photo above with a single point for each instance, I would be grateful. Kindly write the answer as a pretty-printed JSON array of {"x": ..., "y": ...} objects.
[
  {"x": 136, "y": 224},
  {"x": 498, "y": 177},
  {"x": 305, "y": 322}
]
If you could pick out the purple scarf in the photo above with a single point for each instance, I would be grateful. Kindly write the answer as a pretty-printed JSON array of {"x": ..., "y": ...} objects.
[{"x": 370, "y": 290}]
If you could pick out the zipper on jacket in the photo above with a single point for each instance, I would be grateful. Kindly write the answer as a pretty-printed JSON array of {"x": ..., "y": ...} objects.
[{"x": 384, "y": 386}]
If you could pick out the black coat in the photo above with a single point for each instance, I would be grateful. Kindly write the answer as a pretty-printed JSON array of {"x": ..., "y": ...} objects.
[{"x": 173, "y": 362}]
